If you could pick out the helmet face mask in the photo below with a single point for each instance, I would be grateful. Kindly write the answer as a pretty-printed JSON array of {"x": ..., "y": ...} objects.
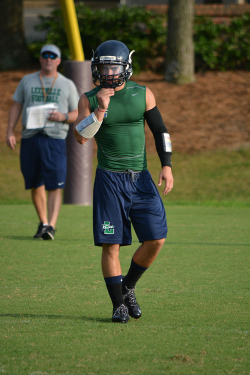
[
  {"x": 111, "y": 76},
  {"x": 111, "y": 64}
]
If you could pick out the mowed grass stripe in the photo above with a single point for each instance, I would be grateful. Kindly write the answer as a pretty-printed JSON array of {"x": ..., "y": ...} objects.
[{"x": 212, "y": 178}]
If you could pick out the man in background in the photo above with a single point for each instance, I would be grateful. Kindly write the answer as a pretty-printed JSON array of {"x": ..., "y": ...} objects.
[{"x": 48, "y": 103}]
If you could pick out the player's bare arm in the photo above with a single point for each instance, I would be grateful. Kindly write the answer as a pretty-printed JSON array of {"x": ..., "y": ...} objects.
[
  {"x": 150, "y": 100},
  {"x": 162, "y": 140}
]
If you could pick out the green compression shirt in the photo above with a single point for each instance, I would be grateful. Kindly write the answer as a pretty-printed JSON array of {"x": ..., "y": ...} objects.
[{"x": 121, "y": 138}]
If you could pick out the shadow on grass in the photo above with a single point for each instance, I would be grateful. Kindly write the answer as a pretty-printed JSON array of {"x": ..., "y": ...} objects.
[
  {"x": 52, "y": 316},
  {"x": 30, "y": 238},
  {"x": 19, "y": 238}
]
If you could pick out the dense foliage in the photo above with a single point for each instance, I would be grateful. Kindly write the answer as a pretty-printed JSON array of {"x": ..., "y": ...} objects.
[
  {"x": 141, "y": 30},
  {"x": 217, "y": 46},
  {"x": 221, "y": 46}
]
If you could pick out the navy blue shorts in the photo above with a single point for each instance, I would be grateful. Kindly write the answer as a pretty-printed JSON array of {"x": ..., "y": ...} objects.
[
  {"x": 124, "y": 198},
  {"x": 43, "y": 162}
]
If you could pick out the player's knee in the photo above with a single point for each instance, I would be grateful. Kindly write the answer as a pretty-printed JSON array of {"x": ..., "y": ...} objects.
[
  {"x": 110, "y": 249},
  {"x": 155, "y": 245},
  {"x": 159, "y": 243}
]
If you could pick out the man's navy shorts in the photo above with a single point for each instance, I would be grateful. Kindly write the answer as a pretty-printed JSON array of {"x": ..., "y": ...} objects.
[
  {"x": 122, "y": 198},
  {"x": 43, "y": 162}
]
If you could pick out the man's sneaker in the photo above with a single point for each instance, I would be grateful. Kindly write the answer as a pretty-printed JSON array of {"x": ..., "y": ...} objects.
[
  {"x": 120, "y": 314},
  {"x": 48, "y": 233},
  {"x": 40, "y": 230},
  {"x": 130, "y": 301}
]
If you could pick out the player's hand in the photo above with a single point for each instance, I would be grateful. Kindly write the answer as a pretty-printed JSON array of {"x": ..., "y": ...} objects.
[
  {"x": 103, "y": 97},
  {"x": 11, "y": 141},
  {"x": 166, "y": 174}
]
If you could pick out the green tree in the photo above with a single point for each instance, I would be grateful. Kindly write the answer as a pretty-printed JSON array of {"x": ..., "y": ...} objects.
[
  {"x": 180, "y": 45},
  {"x": 13, "y": 49}
]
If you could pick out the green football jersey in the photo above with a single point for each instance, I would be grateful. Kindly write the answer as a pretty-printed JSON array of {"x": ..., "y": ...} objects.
[{"x": 121, "y": 137}]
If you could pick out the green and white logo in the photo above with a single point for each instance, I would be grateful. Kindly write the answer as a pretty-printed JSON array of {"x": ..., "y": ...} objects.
[{"x": 108, "y": 229}]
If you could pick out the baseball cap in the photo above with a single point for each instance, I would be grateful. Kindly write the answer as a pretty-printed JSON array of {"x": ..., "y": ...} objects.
[{"x": 51, "y": 48}]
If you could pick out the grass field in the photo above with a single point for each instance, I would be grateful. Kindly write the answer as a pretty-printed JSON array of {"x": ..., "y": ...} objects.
[
  {"x": 55, "y": 311},
  {"x": 56, "y": 314}
]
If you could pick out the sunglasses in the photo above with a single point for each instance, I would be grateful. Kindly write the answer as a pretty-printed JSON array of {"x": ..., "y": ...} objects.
[{"x": 46, "y": 55}]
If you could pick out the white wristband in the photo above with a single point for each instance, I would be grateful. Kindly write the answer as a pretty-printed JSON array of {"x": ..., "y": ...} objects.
[{"x": 89, "y": 126}]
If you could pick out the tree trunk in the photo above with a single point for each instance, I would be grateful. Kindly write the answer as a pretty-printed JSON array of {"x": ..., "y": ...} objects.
[
  {"x": 180, "y": 46},
  {"x": 13, "y": 50}
]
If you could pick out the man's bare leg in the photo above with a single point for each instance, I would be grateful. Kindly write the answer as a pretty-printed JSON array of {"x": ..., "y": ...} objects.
[
  {"x": 40, "y": 202},
  {"x": 54, "y": 205},
  {"x": 147, "y": 252}
]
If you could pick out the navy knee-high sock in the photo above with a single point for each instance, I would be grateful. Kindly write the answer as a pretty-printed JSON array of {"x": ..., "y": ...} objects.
[
  {"x": 134, "y": 273},
  {"x": 114, "y": 286}
]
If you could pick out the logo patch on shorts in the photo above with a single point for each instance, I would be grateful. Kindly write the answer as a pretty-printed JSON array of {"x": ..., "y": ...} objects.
[{"x": 108, "y": 229}]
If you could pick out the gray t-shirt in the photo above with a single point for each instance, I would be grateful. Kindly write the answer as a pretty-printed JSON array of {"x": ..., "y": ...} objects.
[{"x": 29, "y": 93}]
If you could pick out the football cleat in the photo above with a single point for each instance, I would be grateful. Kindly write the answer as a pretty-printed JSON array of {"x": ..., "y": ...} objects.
[
  {"x": 120, "y": 314},
  {"x": 130, "y": 301}
]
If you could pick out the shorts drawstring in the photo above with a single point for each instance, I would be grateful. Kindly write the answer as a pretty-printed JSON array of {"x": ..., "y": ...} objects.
[{"x": 134, "y": 175}]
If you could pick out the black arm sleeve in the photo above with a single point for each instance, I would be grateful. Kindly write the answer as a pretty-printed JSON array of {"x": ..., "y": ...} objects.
[{"x": 157, "y": 127}]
